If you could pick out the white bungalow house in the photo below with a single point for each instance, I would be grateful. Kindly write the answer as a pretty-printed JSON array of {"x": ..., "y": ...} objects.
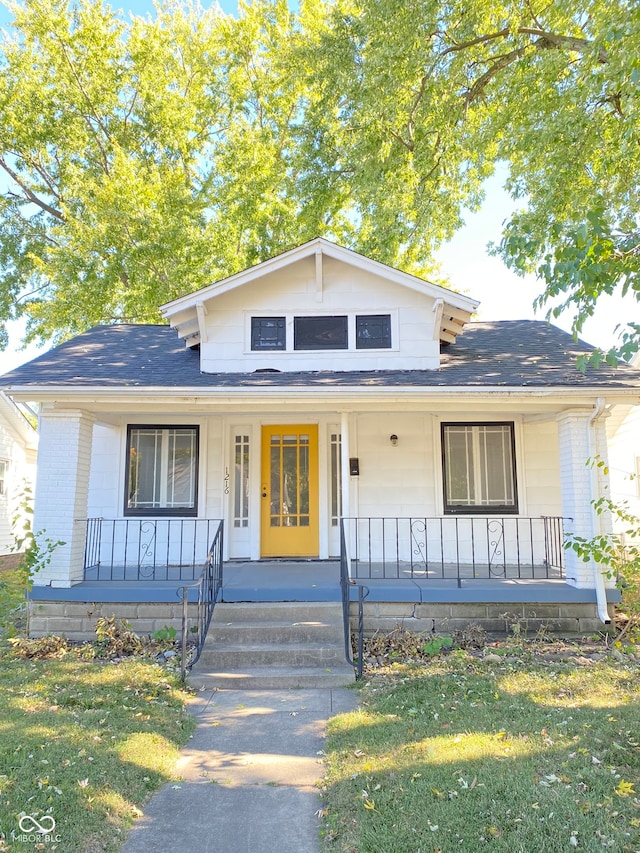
[
  {"x": 18, "y": 448},
  {"x": 322, "y": 410}
]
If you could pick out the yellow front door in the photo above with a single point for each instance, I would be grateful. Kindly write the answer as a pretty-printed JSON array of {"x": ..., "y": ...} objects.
[{"x": 289, "y": 491}]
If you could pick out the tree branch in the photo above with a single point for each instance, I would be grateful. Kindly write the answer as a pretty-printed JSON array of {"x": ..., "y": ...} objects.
[
  {"x": 31, "y": 196},
  {"x": 546, "y": 39},
  {"x": 502, "y": 62}
]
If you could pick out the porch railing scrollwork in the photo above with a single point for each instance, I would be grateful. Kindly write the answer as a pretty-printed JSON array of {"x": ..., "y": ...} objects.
[
  {"x": 455, "y": 548},
  {"x": 153, "y": 549}
]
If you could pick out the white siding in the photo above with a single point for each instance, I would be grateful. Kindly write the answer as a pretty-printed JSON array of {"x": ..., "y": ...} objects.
[
  {"x": 106, "y": 483},
  {"x": 19, "y": 473},
  {"x": 292, "y": 292}
]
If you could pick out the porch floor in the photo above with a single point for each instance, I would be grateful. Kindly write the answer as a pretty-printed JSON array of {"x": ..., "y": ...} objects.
[{"x": 319, "y": 580}]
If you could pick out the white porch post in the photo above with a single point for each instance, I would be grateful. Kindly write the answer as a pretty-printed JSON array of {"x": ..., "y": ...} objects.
[
  {"x": 346, "y": 478},
  {"x": 581, "y": 436},
  {"x": 62, "y": 488}
]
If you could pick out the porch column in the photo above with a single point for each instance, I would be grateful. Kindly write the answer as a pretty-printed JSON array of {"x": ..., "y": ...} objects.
[
  {"x": 344, "y": 463},
  {"x": 581, "y": 436},
  {"x": 62, "y": 487}
]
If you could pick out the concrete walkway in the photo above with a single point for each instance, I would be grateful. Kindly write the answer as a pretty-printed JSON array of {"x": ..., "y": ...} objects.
[{"x": 248, "y": 775}]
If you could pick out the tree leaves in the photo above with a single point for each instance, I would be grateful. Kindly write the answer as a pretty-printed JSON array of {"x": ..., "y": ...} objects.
[{"x": 146, "y": 159}]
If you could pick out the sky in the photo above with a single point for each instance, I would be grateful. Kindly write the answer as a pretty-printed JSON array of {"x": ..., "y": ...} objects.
[{"x": 465, "y": 259}]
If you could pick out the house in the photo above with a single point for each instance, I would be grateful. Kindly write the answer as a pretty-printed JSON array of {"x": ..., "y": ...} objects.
[
  {"x": 624, "y": 457},
  {"x": 18, "y": 447},
  {"x": 322, "y": 416}
]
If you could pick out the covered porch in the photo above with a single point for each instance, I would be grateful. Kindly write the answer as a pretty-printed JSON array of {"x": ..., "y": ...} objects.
[
  {"x": 419, "y": 560},
  {"x": 431, "y": 550},
  {"x": 491, "y": 573}
]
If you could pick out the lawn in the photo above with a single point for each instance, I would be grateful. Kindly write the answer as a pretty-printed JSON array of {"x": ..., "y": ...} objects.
[
  {"x": 524, "y": 753},
  {"x": 83, "y": 744}
]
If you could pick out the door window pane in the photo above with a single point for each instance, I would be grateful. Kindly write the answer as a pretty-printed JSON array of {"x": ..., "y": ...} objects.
[{"x": 289, "y": 458}]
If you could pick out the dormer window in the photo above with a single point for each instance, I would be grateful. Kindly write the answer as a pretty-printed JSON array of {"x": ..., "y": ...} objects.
[
  {"x": 373, "y": 331},
  {"x": 320, "y": 332},
  {"x": 268, "y": 333}
]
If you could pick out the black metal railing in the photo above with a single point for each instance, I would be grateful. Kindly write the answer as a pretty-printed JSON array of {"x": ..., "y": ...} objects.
[
  {"x": 346, "y": 585},
  {"x": 453, "y": 548},
  {"x": 201, "y": 597},
  {"x": 154, "y": 549}
]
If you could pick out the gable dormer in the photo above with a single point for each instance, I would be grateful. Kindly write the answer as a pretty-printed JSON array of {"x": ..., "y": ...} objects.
[{"x": 319, "y": 307}]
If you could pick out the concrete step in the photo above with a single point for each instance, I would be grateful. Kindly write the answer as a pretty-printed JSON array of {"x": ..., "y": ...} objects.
[
  {"x": 271, "y": 678},
  {"x": 278, "y": 611},
  {"x": 275, "y": 644},
  {"x": 229, "y": 656},
  {"x": 273, "y": 632}
]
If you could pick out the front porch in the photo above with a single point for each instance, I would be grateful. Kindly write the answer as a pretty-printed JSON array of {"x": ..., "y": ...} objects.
[
  {"x": 413, "y": 559},
  {"x": 433, "y": 575}
]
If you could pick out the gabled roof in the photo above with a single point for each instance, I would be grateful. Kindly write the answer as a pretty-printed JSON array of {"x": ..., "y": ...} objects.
[
  {"x": 186, "y": 313},
  {"x": 508, "y": 354}
]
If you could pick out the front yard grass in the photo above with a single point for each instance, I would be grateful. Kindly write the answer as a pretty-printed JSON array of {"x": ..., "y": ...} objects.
[
  {"x": 85, "y": 744},
  {"x": 12, "y": 594},
  {"x": 520, "y": 754}
]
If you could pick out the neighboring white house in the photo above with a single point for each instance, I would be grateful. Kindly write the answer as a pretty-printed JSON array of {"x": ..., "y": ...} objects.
[
  {"x": 323, "y": 406},
  {"x": 624, "y": 456},
  {"x": 18, "y": 448}
]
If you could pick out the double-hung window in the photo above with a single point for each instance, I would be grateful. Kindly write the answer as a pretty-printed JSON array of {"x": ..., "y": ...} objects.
[
  {"x": 162, "y": 470},
  {"x": 479, "y": 472},
  {"x": 3, "y": 477}
]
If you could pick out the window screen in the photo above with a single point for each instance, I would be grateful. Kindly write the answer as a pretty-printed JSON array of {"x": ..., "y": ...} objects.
[
  {"x": 373, "y": 331},
  {"x": 320, "y": 333}
]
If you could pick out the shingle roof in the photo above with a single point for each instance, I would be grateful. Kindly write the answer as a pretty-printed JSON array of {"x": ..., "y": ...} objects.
[{"x": 510, "y": 353}]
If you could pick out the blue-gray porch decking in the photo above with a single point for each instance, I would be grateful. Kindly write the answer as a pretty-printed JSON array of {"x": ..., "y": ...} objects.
[{"x": 319, "y": 580}]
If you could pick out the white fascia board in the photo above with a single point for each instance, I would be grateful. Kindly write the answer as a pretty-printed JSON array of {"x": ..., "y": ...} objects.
[
  {"x": 331, "y": 250},
  {"x": 265, "y": 394}
]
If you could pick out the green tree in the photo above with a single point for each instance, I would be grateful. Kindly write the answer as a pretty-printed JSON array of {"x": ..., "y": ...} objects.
[
  {"x": 145, "y": 159},
  {"x": 142, "y": 160},
  {"x": 431, "y": 96}
]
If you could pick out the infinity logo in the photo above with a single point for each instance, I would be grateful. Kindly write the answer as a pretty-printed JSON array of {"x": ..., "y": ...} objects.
[{"x": 45, "y": 825}]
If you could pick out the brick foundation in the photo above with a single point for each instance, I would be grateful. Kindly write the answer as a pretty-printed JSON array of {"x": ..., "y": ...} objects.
[
  {"x": 77, "y": 621},
  {"x": 496, "y": 619}
]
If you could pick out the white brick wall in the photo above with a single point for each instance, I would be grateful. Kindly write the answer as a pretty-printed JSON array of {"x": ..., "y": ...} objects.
[
  {"x": 580, "y": 485},
  {"x": 62, "y": 487}
]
